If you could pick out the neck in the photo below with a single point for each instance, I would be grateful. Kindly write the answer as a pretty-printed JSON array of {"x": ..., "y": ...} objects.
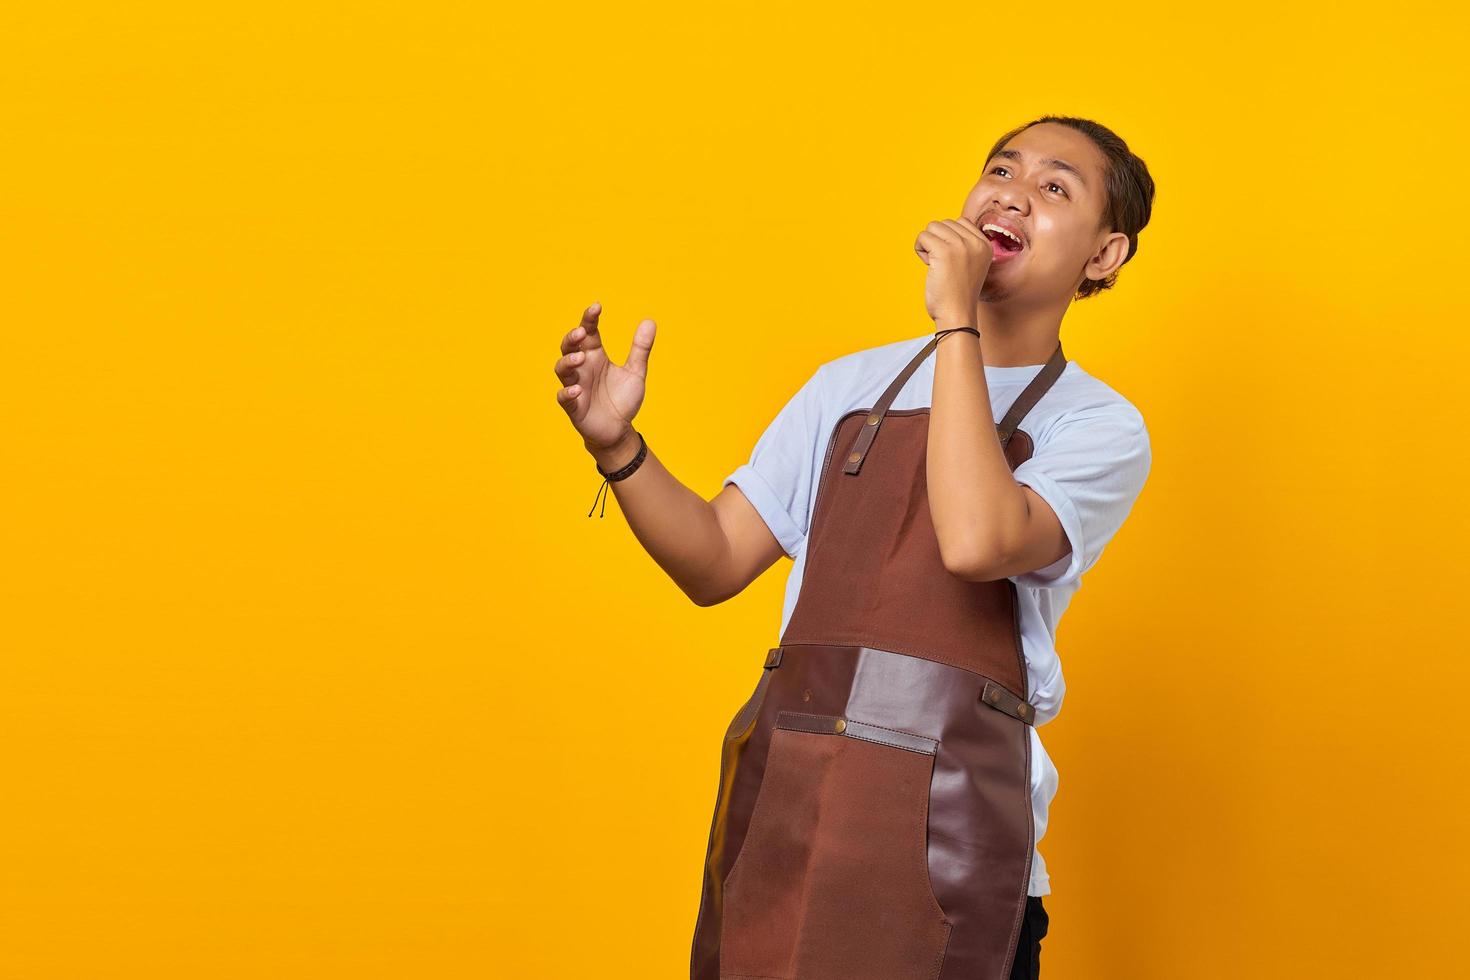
[{"x": 1011, "y": 337}]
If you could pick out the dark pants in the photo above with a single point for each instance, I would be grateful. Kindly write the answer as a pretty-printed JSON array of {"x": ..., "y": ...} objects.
[{"x": 1027, "y": 965}]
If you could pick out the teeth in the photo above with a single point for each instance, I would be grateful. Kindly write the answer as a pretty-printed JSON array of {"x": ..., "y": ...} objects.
[{"x": 1011, "y": 235}]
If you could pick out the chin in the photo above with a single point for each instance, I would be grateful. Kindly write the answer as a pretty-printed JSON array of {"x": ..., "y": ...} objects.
[{"x": 993, "y": 292}]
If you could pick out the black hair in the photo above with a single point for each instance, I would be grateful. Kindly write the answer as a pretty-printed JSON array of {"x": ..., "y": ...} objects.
[{"x": 1130, "y": 188}]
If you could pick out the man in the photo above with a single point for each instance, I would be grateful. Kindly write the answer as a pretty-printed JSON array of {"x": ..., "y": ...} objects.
[{"x": 925, "y": 579}]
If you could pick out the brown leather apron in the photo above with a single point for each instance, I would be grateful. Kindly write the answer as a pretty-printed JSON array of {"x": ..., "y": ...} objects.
[{"x": 873, "y": 820}]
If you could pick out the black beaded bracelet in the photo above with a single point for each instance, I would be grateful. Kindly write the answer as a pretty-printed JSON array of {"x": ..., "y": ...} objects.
[
  {"x": 941, "y": 333},
  {"x": 619, "y": 474}
]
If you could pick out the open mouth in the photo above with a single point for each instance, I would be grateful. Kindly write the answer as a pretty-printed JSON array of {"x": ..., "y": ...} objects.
[{"x": 1003, "y": 241}]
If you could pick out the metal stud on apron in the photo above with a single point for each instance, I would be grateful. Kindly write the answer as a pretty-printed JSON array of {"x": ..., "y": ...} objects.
[{"x": 873, "y": 820}]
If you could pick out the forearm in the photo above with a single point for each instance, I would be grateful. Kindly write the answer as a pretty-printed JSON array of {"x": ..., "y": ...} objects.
[
  {"x": 676, "y": 526},
  {"x": 974, "y": 499}
]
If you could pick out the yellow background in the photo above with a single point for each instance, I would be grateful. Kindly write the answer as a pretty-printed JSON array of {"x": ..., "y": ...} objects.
[{"x": 314, "y": 665}]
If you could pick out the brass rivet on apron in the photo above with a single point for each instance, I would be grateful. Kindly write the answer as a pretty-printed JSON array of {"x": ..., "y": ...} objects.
[
  {"x": 806, "y": 695},
  {"x": 1022, "y": 708},
  {"x": 854, "y": 457},
  {"x": 872, "y": 420},
  {"x": 994, "y": 696},
  {"x": 841, "y": 725}
]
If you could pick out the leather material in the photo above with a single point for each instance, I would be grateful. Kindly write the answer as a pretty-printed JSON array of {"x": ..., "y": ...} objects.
[
  {"x": 831, "y": 878},
  {"x": 873, "y": 819},
  {"x": 998, "y": 697},
  {"x": 877, "y": 576}
]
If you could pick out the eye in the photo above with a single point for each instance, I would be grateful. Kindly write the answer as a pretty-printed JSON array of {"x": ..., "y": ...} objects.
[
  {"x": 997, "y": 167},
  {"x": 1059, "y": 187}
]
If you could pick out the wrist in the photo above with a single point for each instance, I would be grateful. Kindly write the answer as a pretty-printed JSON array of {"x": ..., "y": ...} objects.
[
  {"x": 946, "y": 321},
  {"x": 614, "y": 457}
]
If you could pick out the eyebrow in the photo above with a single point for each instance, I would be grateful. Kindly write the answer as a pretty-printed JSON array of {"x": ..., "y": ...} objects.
[{"x": 1046, "y": 162}]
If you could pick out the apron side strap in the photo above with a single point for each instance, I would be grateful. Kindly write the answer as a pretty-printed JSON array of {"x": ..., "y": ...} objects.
[{"x": 998, "y": 697}]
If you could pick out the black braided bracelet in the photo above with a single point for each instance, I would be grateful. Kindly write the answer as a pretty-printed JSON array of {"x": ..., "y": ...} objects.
[
  {"x": 941, "y": 333},
  {"x": 618, "y": 474}
]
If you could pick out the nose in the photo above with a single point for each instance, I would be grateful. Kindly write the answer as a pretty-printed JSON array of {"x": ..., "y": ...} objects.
[{"x": 1009, "y": 196}]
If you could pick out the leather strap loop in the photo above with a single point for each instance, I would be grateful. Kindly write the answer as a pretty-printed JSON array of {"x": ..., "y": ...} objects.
[
  {"x": 1001, "y": 699},
  {"x": 869, "y": 431}
]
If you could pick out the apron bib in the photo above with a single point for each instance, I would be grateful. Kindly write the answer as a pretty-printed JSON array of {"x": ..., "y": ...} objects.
[{"x": 873, "y": 819}]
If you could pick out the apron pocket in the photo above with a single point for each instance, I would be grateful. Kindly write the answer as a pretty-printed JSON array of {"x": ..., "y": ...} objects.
[{"x": 832, "y": 879}]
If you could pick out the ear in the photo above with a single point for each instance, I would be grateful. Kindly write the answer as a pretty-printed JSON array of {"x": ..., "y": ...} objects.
[{"x": 1108, "y": 257}]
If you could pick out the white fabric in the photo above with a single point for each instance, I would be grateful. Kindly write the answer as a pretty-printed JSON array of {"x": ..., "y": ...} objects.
[{"x": 1089, "y": 463}]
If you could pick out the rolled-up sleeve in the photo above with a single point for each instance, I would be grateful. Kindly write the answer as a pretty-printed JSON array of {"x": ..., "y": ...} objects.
[
  {"x": 778, "y": 478},
  {"x": 1090, "y": 470}
]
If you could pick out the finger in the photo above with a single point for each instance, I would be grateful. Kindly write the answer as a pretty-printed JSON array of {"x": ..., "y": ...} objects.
[
  {"x": 974, "y": 241},
  {"x": 965, "y": 228},
  {"x": 928, "y": 241},
  {"x": 585, "y": 335},
  {"x": 944, "y": 232},
  {"x": 637, "y": 361},
  {"x": 924, "y": 244},
  {"x": 566, "y": 366},
  {"x": 567, "y": 397}
]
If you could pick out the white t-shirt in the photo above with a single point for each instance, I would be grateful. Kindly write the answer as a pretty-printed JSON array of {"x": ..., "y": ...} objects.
[{"x": 1090, "y": 459}]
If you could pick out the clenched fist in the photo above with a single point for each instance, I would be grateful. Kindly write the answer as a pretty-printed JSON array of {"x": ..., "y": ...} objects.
[{"x": 958, "y": 257}]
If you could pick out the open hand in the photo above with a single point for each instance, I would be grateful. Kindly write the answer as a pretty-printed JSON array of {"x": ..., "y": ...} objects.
[{"x": 601, "y": 397}]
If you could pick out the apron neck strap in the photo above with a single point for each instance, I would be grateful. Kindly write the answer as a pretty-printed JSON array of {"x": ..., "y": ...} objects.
[
  {"x": 1005, "y": 428},
  {"x": 1031, "y": 394},
  {"x": 1025, "y": 401}
]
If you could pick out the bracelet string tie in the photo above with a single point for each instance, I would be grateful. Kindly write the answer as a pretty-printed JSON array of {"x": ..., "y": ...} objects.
[
  {"x": 618, "y": 474},
  {"x": 941, "y": 333}
]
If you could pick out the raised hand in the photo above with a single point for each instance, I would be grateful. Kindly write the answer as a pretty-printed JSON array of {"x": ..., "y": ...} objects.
[
  {"x": 958, "y": 257},
  {"x": 600, "y": 397}
]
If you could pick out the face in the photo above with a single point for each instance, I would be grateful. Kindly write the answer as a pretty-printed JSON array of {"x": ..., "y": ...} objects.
[{"x": 1046, "y": 185}]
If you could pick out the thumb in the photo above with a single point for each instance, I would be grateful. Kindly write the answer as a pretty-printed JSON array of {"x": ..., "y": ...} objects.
[{"x": 637, "y": 361}]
